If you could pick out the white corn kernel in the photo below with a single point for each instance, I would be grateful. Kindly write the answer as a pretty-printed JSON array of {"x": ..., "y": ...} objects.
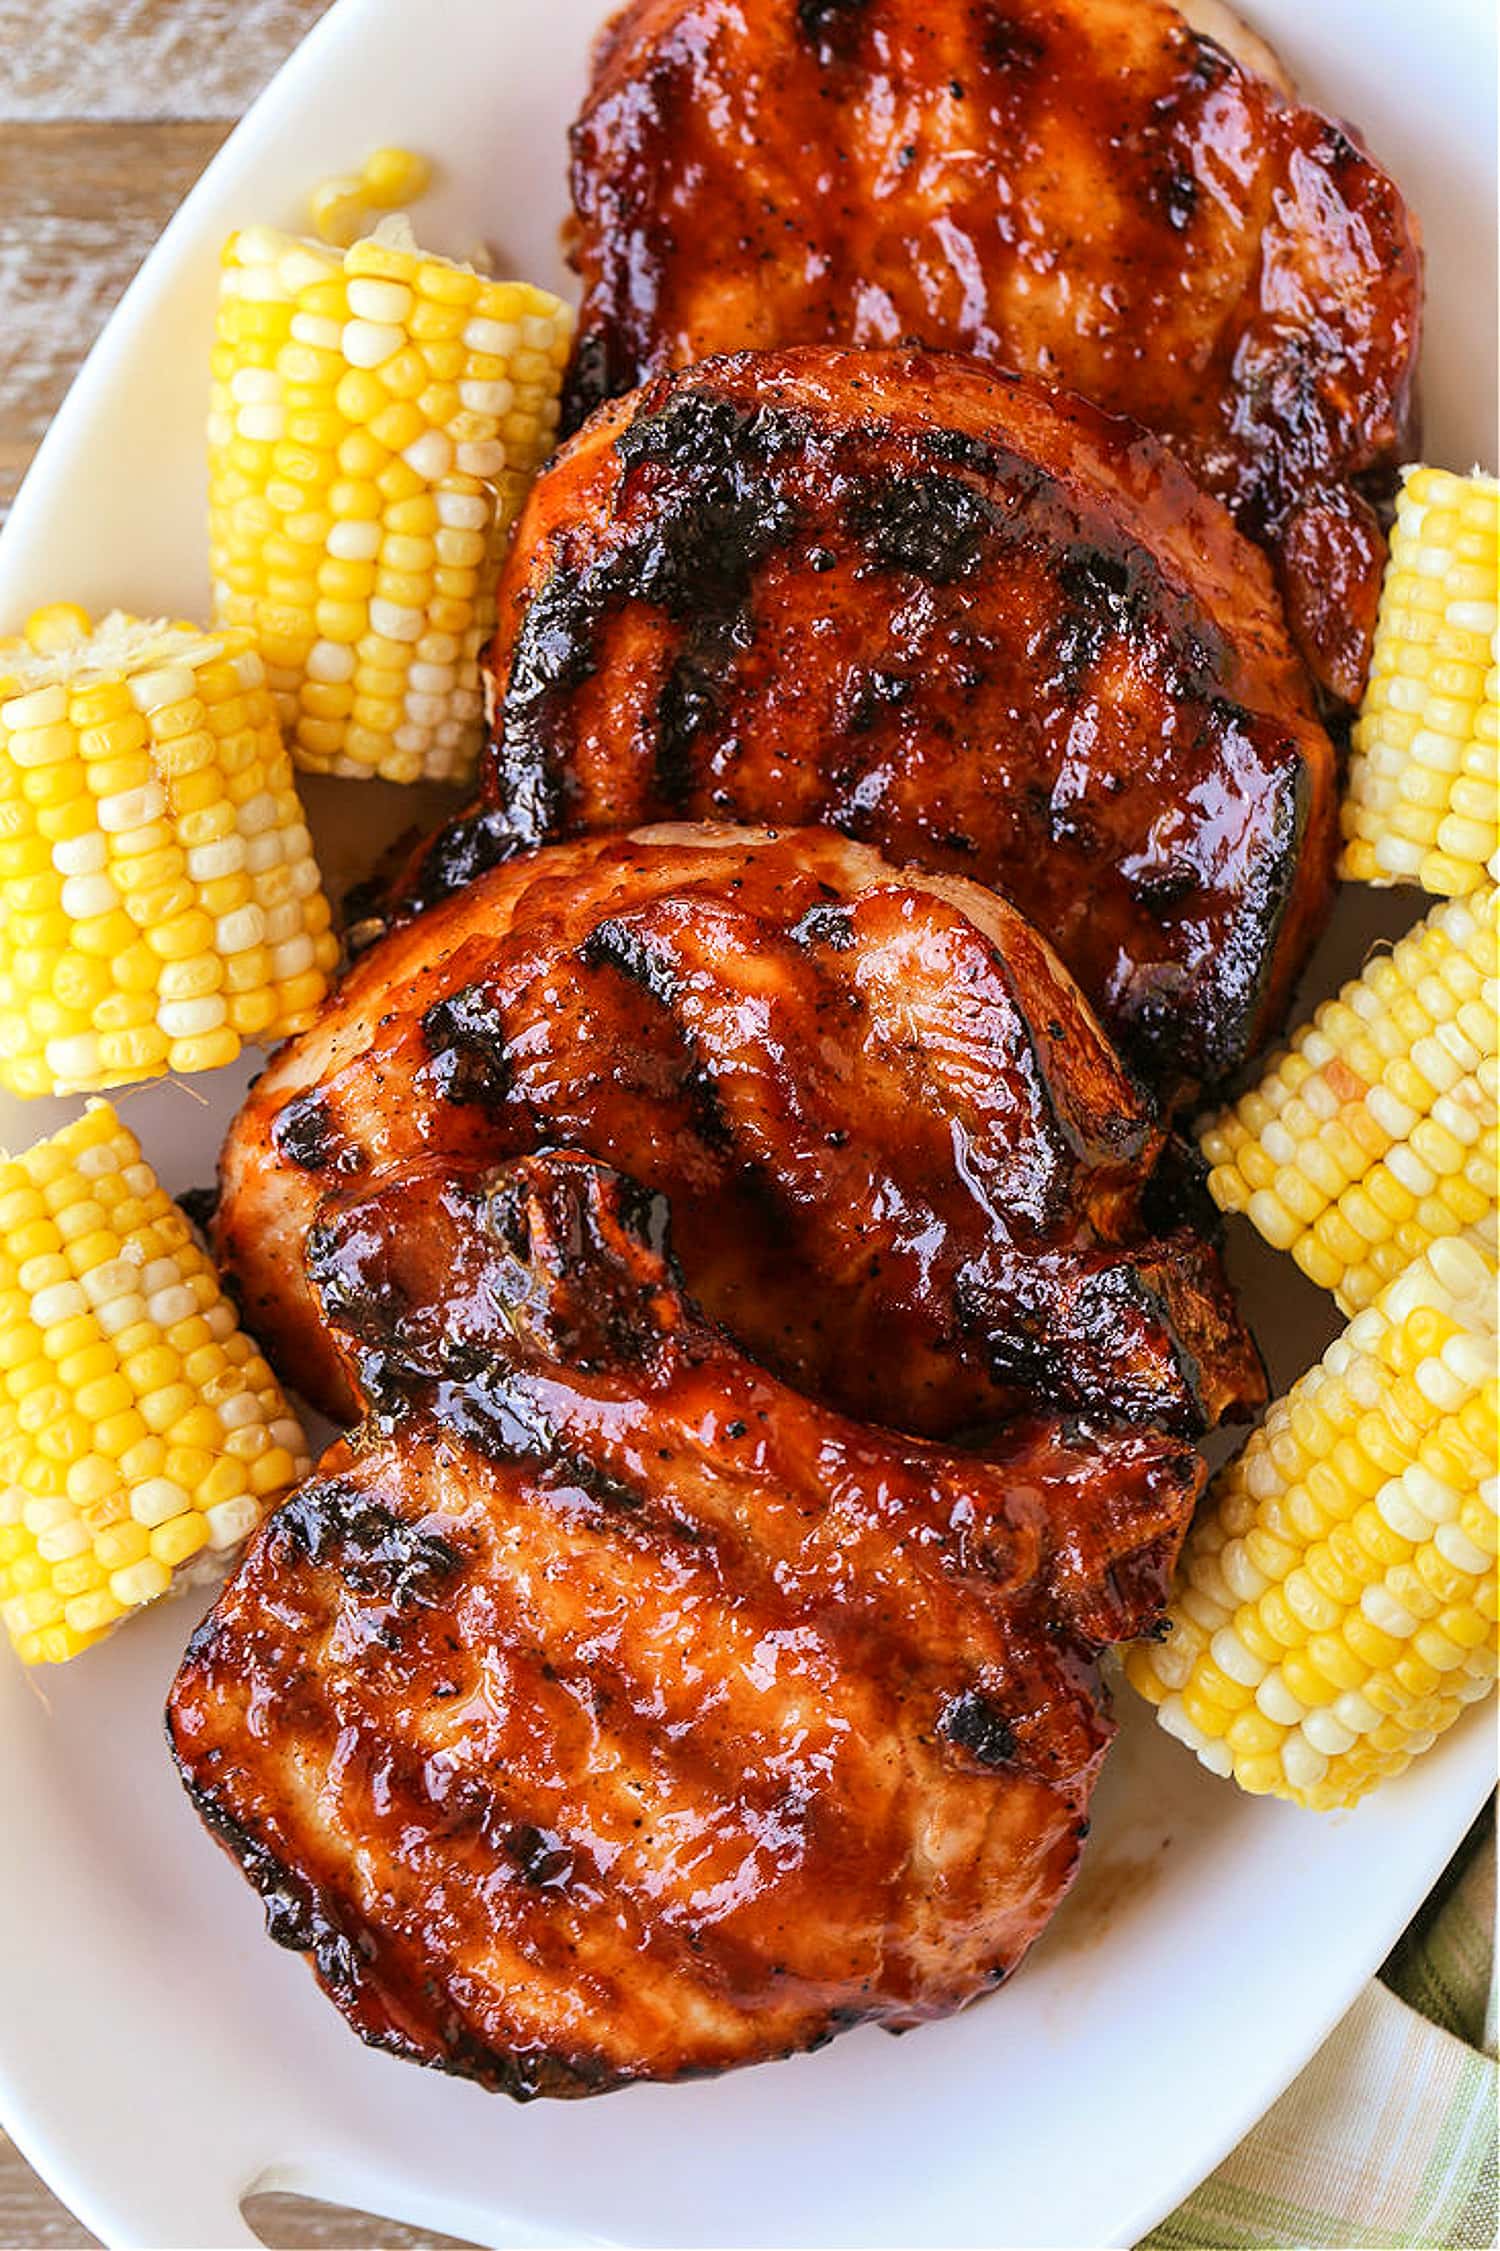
[
  {"x": 157, "y": 1501},
  {"x": 352, "y": 542},
  {"x": 430, "y": 456},
  {"x": 80, "y": 855},
  {"x": 230, "y": 1522},
  {"x": 370, "y": 344},
  {"x": 131, "y": 808},
  {"x": 189, "y": 1019}
]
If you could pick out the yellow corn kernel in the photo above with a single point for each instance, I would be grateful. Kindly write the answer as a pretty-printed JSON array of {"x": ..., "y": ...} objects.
[
  {"x": 58, "y": 625},
  {"x": 118, "y": 927},
  {"x": 98, "y": 1511},
  {"x": 1421, "y": 803},
  {"x": 395, "y": 176},
  {"x": 419, "y": 468},
  {"x": 1339, "y": 1667}
]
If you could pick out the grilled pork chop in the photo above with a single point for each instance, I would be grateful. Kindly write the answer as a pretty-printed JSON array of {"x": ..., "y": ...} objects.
[
  {"x": 606, "y": 1711},
  {"x": 978, "y": 626},
  {"x": 1090, "y": 191},
  {"x": 904, "y": 1163}
]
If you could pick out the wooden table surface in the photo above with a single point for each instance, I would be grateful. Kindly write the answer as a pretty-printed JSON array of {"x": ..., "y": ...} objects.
[{"x": 109, "y": 110}]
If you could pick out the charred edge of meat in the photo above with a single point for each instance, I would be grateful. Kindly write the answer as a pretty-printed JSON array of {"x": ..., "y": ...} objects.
[
  {"x": 1121, "y": 1133},
  {"x": 592, "y": 376},
  {"x": 972, "y": 1723},
  {"x": 1157, "y": 1030},
  {"x": 1084, "y": 1365},
  {"x": 1108, "y": 1306},
  {"x": 462, "y": 850},
  {"x": 1176, "y": 1195},
  {"x": 375, "y": 1551},
  {"x": 713, "y": 522},
  {"x": 299, "y": 1915},
  {"x": 306, "y": 1920},
  {"x": 1207, "y": 63},
  {"x": 198, "y": 1206}
]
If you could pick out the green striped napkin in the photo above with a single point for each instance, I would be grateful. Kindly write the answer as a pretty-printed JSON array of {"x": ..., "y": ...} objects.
[{"x": 1389, "y": 2138}]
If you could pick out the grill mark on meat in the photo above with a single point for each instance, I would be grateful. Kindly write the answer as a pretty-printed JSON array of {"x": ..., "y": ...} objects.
[
  {"x": 718, "y": 514},
  {"x": 872, "y": 1118},
  {"x": 976, "y": 1725},
  {"x": 374, "y": 1550},
  {"x": 616, "y": 944},
  {"x": 830, "y": 926},
  {"x": 868, "y": 697},
  {"x": 542, "y": 1856},
  {"x": 305, "y": 1132},
  {"x": 936, "y": 527},
  {"x": 1177, "y": 193},
  {"x": 524, "y": 1842},
  {"x": 1121, "y": 595},
  {"x": 1285, "y": 305},
  {"x": 465, "y": 1036},
  {"x": 1033, "y": 698},
  {"x": 690, "y": 700}
]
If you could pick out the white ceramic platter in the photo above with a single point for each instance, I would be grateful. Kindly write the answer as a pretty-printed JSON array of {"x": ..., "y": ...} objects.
[{"x": 158, "y": 2058}]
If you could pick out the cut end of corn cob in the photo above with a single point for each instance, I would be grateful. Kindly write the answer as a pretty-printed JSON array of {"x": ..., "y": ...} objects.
[
  {"x": 159, "y": 900},
  {"x": 376, "y": 419},
  {"x": 142, "y": 1436},
  {"x": 1421, "y": 803},
  {"x": 1374, "y": 1136},
  {"x": 1335, "y": 1604}
]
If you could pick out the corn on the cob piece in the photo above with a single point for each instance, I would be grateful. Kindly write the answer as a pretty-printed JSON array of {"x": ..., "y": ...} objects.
[
  {"x": 159, "y": 899},
  {"x": 340, "y": 208},
  {"x": 141, "y": 1433},
  {"x": 1421, "y": 803},
  {"x": 1375, "y": 1134},
  {"x": 376, "y": 419},
  {"x": 1334, "y": 1608}
]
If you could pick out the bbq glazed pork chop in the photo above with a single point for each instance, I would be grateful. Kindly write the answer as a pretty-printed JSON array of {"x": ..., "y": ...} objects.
[
  {"x": 904, "y": 1163},
  {"x": 605, "y": 1711},
  {"x": 1089, "y": 191},
  {"x": 981, "y": 627}
]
